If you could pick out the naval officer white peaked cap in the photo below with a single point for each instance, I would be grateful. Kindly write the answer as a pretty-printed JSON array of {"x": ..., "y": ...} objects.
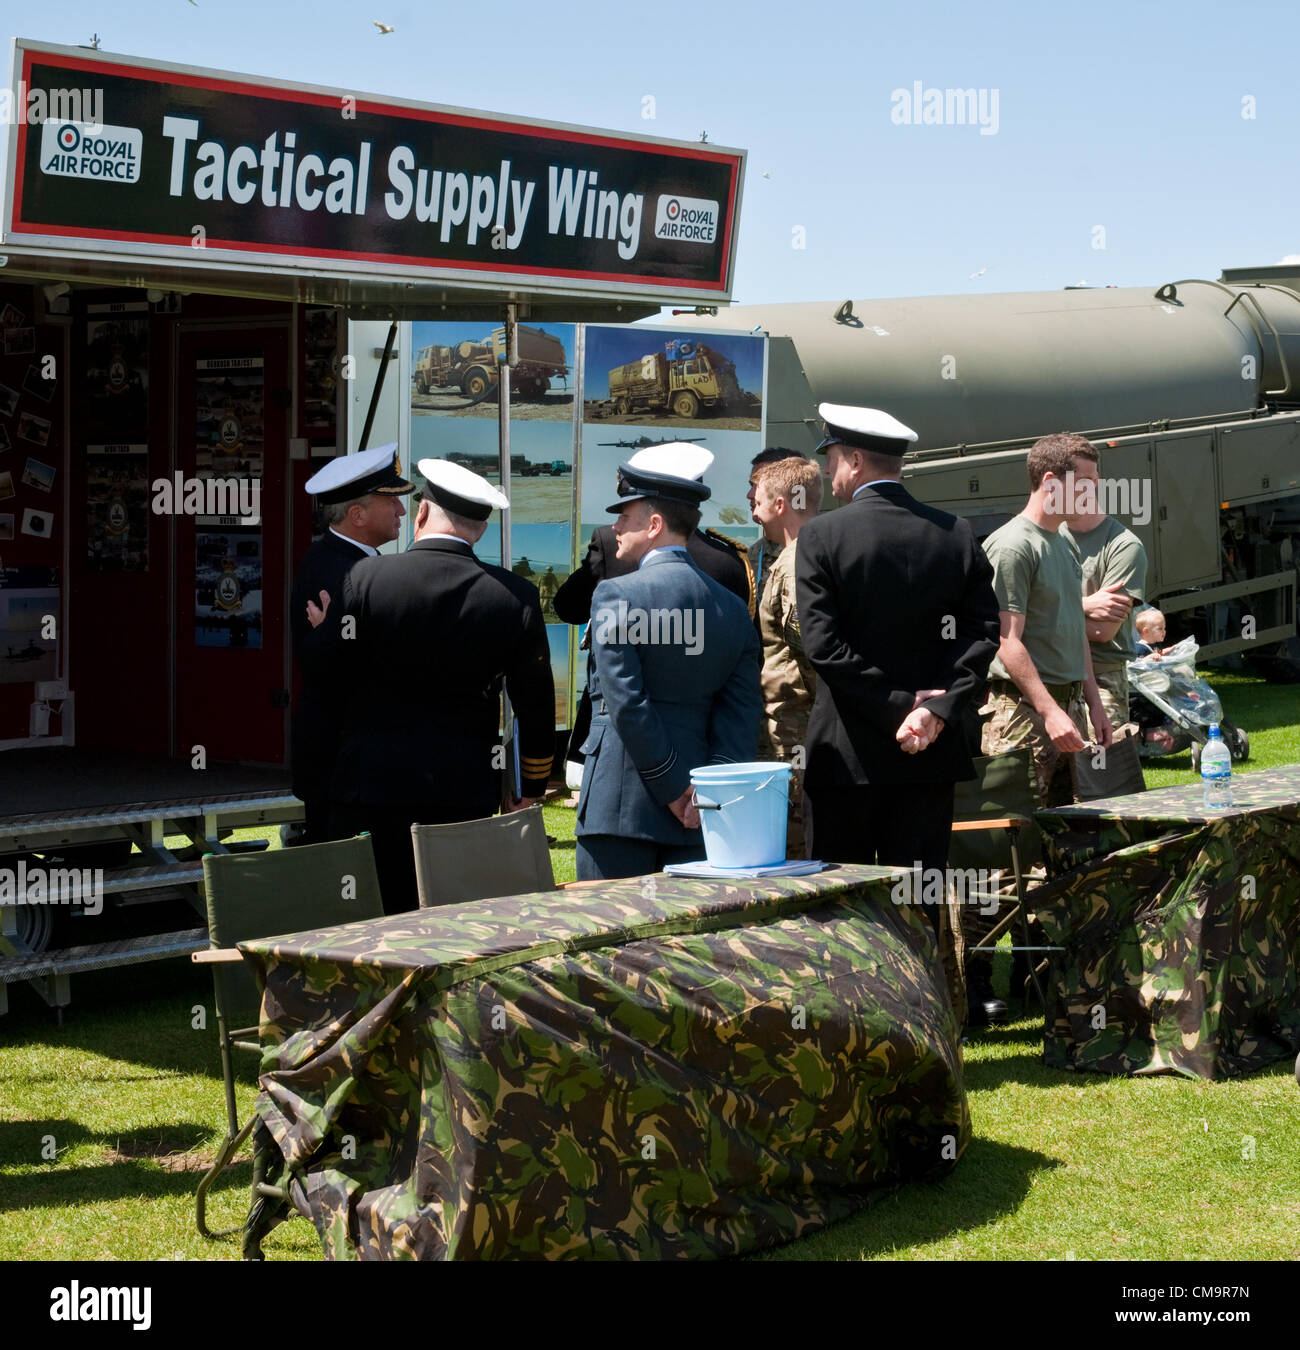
[
  {"x": 863, "y": 428},
  {"x": 351, "y": 476},
  {"x": 456, "y": 488},
  {"x": 678, "y": 459}
]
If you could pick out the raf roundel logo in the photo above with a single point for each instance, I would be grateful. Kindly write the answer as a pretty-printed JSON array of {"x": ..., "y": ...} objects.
[
  {"x": 69, "y": 138},
  {"x": 673, "y": 209}
]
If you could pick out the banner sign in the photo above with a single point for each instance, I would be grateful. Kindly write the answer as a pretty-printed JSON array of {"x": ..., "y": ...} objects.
[{"x": 144, "y": 157}]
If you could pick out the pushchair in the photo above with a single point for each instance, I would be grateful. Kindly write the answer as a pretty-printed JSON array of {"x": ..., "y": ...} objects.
[{"x": 1174, "y": 707}]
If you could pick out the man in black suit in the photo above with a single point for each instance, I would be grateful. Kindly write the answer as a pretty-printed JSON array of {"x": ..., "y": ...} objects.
[
  {"x": 361, "y": 498},
  {"x": 900, "y": 623},
  {"x": 438, "y": 631}
]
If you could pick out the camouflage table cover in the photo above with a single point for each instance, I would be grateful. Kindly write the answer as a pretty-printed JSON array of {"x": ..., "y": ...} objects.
[
  {"x": 656, "y": 1067},
  {"x": 1181, "y": 927}
]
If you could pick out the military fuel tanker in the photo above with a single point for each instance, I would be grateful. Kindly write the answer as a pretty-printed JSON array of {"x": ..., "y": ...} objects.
[{"x": 1191, "y": 390}]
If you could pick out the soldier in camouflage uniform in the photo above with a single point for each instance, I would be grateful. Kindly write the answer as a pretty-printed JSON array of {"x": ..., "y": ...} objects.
[
  {"x": 1041, "y": 680},
  {"x": 762, "y": 553},
  {"x": 787, "y": 494},
  {"x": 1114, "y": 567}
]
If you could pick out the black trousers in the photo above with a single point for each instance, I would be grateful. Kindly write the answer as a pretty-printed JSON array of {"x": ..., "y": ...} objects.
[
  {"x": 607, "y": 857},
  {"x": 389, "y": 827},
  {"x": 890, "y": 824}
]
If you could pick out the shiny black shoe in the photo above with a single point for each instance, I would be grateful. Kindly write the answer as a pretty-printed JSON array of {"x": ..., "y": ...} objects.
[{"x": 986, "y": 1012}]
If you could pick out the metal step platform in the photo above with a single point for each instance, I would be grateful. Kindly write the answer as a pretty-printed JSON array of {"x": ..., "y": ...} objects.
[{"x": 64, "y": 810}]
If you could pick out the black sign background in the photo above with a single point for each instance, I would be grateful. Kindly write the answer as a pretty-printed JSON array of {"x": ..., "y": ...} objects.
[{"x": 235, "y": 114}]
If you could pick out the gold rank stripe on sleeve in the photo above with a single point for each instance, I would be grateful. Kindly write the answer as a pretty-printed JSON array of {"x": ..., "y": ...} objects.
[{"x": 536, "y": 767}]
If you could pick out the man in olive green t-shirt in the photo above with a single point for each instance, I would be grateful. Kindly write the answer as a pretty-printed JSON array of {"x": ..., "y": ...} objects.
[
  {"x": 1114, "y": 567},
  {"x": 1041, "y": 680}
]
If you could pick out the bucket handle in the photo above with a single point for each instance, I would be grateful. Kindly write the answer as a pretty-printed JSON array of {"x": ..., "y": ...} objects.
[{"x": 718, "y": 806}]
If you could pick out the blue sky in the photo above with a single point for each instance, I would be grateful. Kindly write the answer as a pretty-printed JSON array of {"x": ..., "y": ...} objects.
[{"x": 1126, "y": 116}]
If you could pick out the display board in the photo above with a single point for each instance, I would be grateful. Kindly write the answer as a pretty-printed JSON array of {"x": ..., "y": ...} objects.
[{"x": 584, "y": 398}]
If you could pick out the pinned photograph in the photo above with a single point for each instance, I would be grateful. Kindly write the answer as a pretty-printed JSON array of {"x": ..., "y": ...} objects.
[
  {"x": 455, "y": 370},
  {"x": 6, "y": 485},
  {"x": 11, "y": 317},
  {"x": 6, "y": 528},
  {"x": 38, "y": 475},
  {"x": 34, "y": 429},
  {"x": 8, "y": 401},
  {"x": 20, "y": 341},
  {"x": 38, "y": 523},
  {"x": 36, "y": 383},
  {"x": 673, "y": 378}
]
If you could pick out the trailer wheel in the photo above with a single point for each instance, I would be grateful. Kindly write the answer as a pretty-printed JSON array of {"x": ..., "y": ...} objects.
[
  {"x": 35, "y": 928},
  {"x": 477, "y": 384},
  {"x": 685, "y": 404}
]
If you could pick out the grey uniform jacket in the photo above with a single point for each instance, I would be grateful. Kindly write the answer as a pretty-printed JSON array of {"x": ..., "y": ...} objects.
[{"x": 662, "y": 707}]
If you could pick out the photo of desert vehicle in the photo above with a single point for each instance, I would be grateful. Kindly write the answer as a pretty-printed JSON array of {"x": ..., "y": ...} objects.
[
  {"x": 696, "y": 379},
  {"x": 472, "y": 367}
]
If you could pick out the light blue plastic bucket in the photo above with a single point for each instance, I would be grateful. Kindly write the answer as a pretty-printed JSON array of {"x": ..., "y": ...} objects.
[{"x": 743, "y": 812}]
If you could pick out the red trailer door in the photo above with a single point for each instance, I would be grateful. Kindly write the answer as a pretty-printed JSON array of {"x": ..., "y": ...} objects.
[{"x": 232, "y": 452}]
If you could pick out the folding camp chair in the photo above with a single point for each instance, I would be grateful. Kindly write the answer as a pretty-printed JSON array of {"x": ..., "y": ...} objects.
[
  {"x": 1118, "y": 774},
  {"x": 477, "y": 859},
  {"x": 993, "y": 830},
  {"x": 261, "y": 895}
]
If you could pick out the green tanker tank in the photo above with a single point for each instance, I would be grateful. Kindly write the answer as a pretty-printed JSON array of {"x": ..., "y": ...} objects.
[{"x": 1191, "y": 389}]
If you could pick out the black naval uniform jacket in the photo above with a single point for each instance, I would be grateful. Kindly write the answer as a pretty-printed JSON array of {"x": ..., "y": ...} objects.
[
  {"x": 313, "y": 736},
  {"x": 880, "y": 582},
  {"x": 713, "y": 554},
  {"x": 437, "y": 633}
]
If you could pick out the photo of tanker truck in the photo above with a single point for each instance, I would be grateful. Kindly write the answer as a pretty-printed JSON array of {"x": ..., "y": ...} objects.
[
  {"x": 1191, "y": 391},
  {"x": 472, "y": 367},
  {"x": 696, "y": 378}
]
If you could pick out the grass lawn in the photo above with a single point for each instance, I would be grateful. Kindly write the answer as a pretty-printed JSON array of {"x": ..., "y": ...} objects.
[{"x": 127, "y": 1099}]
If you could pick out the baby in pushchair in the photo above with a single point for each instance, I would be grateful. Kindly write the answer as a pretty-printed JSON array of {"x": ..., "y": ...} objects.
[{"x": 1172, "y": 705}]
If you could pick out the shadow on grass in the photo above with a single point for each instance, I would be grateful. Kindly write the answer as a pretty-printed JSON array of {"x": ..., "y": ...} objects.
[
  {"x": 989, "y": 1183},
  {"x": 156, "y": 1160},
  {"x": 143, "y": 1015}
]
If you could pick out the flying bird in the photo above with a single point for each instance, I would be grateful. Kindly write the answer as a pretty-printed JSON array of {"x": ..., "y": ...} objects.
[
  {"x": 766, "y": 174},
  {"x": 383, "y": 27},
  {"x": 980, "y": 273}
]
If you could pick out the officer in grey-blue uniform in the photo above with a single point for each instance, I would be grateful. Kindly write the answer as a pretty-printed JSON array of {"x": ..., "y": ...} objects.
[{"x": 674, "y": 684}]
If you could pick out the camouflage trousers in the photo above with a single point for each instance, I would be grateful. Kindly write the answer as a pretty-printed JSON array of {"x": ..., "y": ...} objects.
[
  {"x": 1112, "y": 684},
  {"x": 1012, "y": 723},
  {"x": 781, "y": 740}
]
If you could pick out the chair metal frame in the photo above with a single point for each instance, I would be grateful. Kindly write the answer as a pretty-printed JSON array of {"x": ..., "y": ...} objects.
[{"x": 355, "y": 856}]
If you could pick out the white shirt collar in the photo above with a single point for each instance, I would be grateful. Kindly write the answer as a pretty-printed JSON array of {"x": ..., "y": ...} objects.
[
  {"x": 874, "y": 482},
  {"x": 664, "y": 548},
  {"x": 356, "y": 543},
  {"x": 434, "y": 534}
]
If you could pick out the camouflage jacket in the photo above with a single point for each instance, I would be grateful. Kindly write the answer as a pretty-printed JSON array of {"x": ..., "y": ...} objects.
[{"x": 788, "y": 679}]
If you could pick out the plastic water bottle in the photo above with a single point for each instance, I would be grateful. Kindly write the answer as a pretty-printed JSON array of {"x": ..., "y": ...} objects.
[{"x": 1216, "y": 772}]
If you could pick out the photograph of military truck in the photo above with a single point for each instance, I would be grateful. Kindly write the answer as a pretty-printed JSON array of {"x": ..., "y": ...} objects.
[
  {"x": 1188, "y": 388},
  {"x": 456, "y": 373},
  {"x": 677, "y": 379},
  {"x": 541, "y": 460}
]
